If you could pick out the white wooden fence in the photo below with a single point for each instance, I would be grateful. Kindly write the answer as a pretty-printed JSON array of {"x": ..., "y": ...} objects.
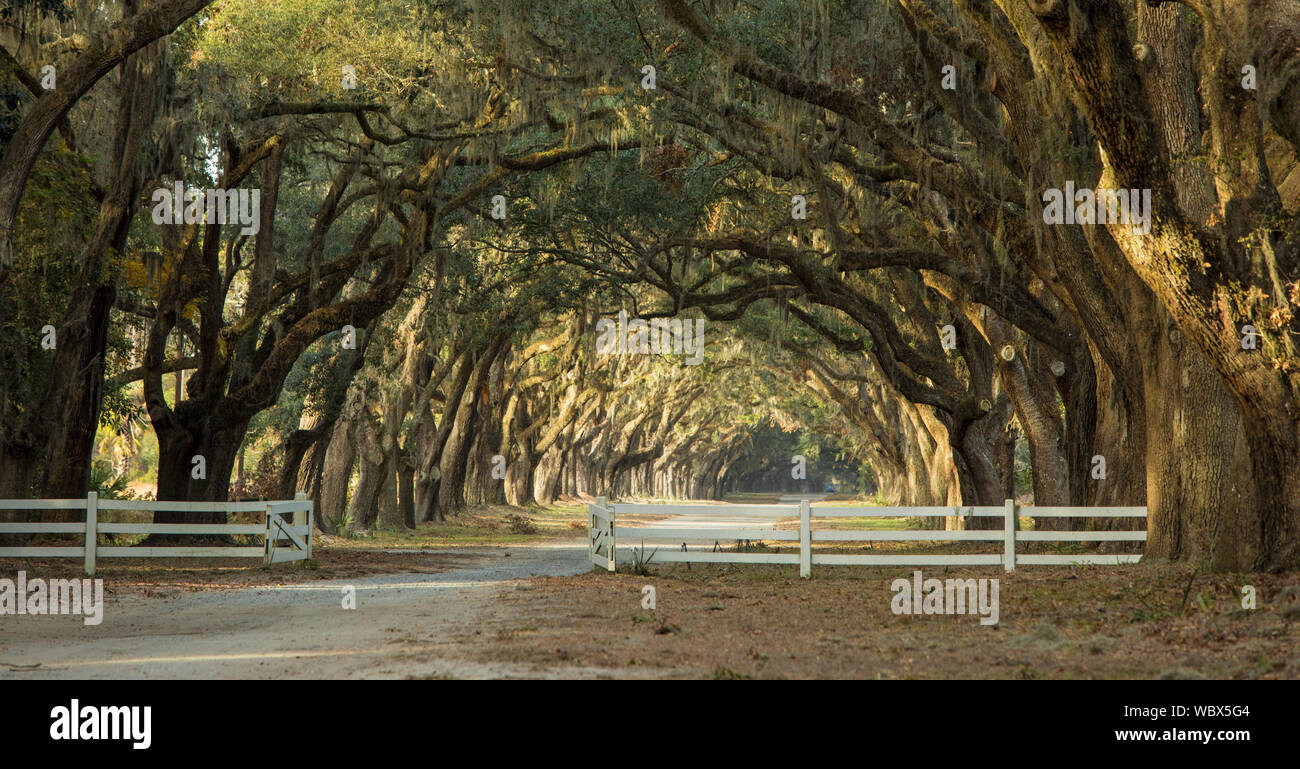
[
  {"x": 606, "y": 538},
  {"x": 282, "y": 539}
]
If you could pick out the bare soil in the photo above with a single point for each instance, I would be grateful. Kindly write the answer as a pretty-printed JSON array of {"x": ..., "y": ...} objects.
[{"x": 1141, "y": 621}]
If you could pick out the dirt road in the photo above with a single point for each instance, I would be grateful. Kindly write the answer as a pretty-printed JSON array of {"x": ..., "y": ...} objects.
[{"x": 403, "y": 626}]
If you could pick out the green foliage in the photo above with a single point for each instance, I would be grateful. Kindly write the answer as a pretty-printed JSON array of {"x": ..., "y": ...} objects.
[
  {"x": 640, "y": 565},
  {"x": 108, "y": 485},
  {"x": 295, "y": 49},
  {"x": 53, "y": 218}
]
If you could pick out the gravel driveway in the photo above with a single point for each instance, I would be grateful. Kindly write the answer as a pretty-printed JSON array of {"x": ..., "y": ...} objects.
[{"x": 411, "y": 625}]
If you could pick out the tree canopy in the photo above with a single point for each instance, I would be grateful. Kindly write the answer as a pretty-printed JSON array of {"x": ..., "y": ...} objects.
[{"x": 932, "y": 247}]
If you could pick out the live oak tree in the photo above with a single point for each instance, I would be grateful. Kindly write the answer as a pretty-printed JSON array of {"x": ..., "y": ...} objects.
[{"x": 52, "y": 411}]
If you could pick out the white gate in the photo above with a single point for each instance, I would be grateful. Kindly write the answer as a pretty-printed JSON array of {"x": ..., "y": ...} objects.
[{"x": 288, "y": 539}]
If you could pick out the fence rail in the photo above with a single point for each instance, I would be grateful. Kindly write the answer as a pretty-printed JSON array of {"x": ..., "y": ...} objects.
[
  {"x": 605, "y": 535},
  {"x": 286, "y": 530}
]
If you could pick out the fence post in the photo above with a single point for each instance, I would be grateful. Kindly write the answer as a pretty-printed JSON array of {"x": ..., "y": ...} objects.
[
  {"x": 1009, "y": 537},
  {"x": 267, "y": 541},
  {"x": 613, "y": 546},
  {"x": 805, "y": 539},
  {"x": 92, "y": 531},
  {"x": 304, "y": 516}
]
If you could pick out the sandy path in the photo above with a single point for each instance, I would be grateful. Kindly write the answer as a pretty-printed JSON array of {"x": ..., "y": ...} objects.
[{"x": 403, "y": 625}]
